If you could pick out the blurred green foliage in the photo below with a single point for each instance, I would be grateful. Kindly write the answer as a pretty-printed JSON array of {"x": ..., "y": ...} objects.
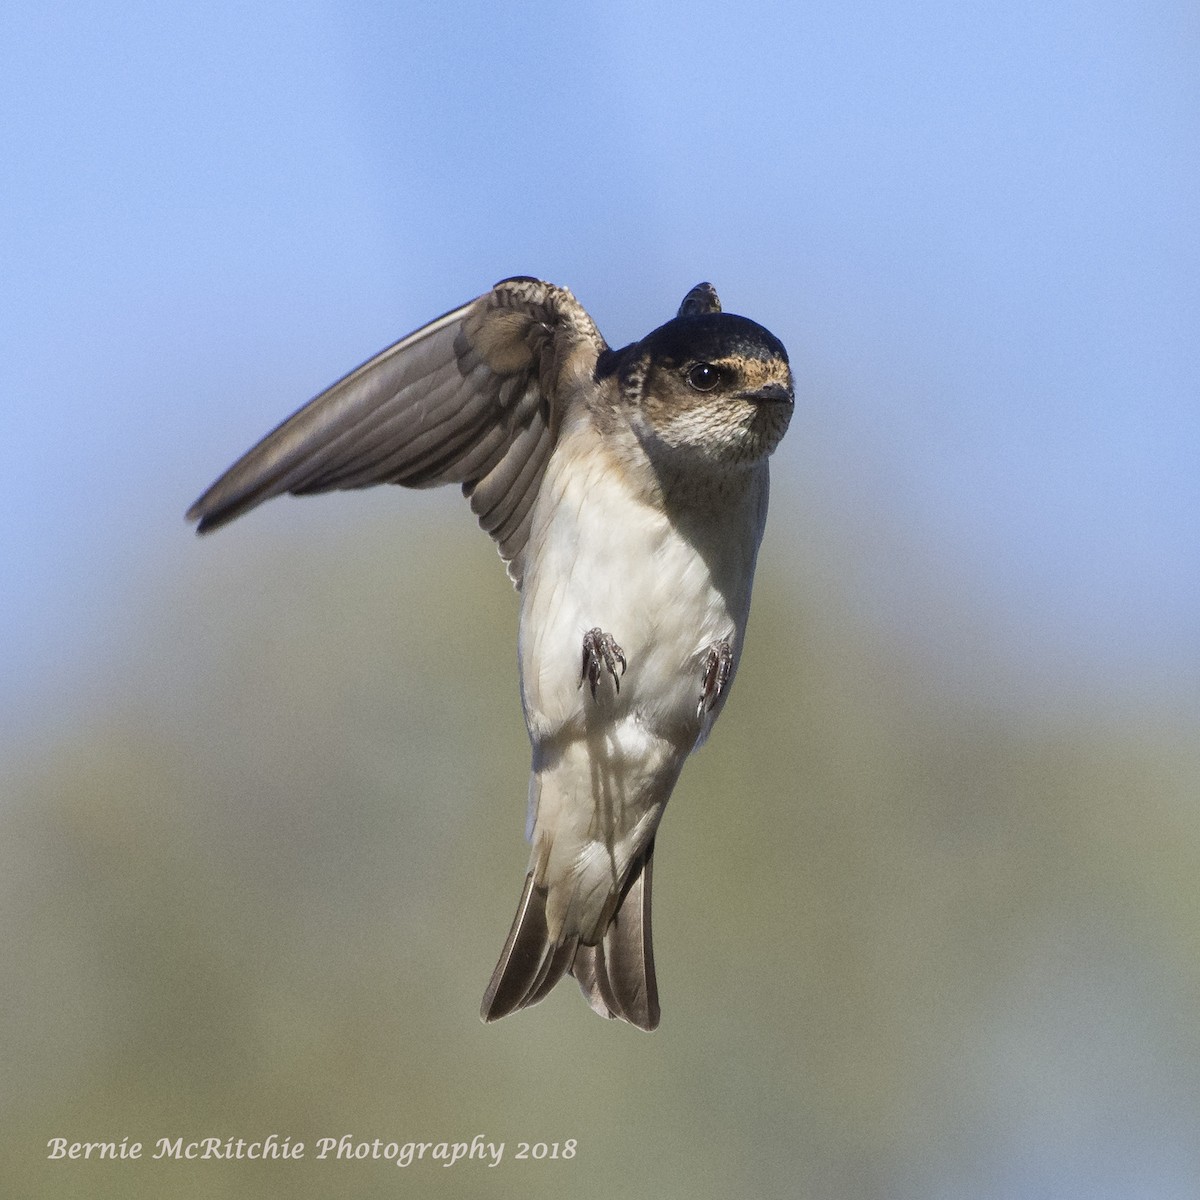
[{"x": 907, "y": 946}]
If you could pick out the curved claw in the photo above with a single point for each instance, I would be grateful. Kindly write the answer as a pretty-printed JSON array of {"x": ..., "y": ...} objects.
[
  {"x": 717, "y": 669},
  {"x": 600, "y": 647}
]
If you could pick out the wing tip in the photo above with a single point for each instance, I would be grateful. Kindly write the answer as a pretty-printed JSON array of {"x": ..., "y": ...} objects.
[
  {"x": 209, "y": 517},
  {"x": 197, "y": 516}
]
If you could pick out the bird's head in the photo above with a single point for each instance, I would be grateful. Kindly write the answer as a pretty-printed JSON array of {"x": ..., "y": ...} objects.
[{"x": 706, "y": 388}]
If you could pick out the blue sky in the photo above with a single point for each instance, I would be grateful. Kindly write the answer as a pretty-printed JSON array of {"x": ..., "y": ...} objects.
[{"x": 973, "y": 224}]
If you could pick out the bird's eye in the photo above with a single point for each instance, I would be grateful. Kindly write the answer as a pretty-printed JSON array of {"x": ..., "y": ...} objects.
[{"x": 704, "y": 377}]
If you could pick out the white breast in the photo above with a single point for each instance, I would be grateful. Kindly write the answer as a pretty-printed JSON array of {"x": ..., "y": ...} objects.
[
  {"x": 666, "y": 589},
  {"x": 603, "y": 553}
]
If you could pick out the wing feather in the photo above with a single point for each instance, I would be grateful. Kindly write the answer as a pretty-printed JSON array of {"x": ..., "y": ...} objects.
[{"x": 473, "y": 398}]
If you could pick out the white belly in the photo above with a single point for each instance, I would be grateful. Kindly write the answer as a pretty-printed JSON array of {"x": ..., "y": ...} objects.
[
  {"x": 604, "y": 766},
  {"x": 605, "y": 560}
]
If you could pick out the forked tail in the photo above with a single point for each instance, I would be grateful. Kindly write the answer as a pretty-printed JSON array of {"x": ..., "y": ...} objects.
[{"x": 616, "y": 974}]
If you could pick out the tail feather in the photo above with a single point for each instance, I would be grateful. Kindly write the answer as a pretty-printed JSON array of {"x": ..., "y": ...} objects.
[
  {"x": 558, "y": 963},
  {"x": 616, "y": 975},
  {"x": 529, "y": 965}
]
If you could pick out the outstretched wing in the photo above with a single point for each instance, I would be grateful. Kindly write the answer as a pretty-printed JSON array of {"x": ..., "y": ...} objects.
[{"x": 473, "y": 398}]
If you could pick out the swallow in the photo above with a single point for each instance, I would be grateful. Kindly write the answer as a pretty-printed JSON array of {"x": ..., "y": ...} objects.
[{"x": 626, "y": 491}]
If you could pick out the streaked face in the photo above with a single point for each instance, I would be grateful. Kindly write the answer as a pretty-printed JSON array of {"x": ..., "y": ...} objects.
[{"x": 714, "y": 388}]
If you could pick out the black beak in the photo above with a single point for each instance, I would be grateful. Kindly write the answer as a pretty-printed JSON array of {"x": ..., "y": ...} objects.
[{"x": 772, "y": 393}]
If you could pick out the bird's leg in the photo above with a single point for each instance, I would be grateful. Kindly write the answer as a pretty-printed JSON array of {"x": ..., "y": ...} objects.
[
  {"x": 716, "y": 675},
  {"x": 600, "y": 647}
]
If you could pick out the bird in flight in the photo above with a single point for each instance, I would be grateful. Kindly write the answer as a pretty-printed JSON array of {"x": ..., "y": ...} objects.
[{"x": 626, "y": 491}]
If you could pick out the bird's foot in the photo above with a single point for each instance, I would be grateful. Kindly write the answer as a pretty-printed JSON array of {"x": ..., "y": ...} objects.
[
  {"x": 717, "y": 667},
  {"x": 601, "y": 648}
]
